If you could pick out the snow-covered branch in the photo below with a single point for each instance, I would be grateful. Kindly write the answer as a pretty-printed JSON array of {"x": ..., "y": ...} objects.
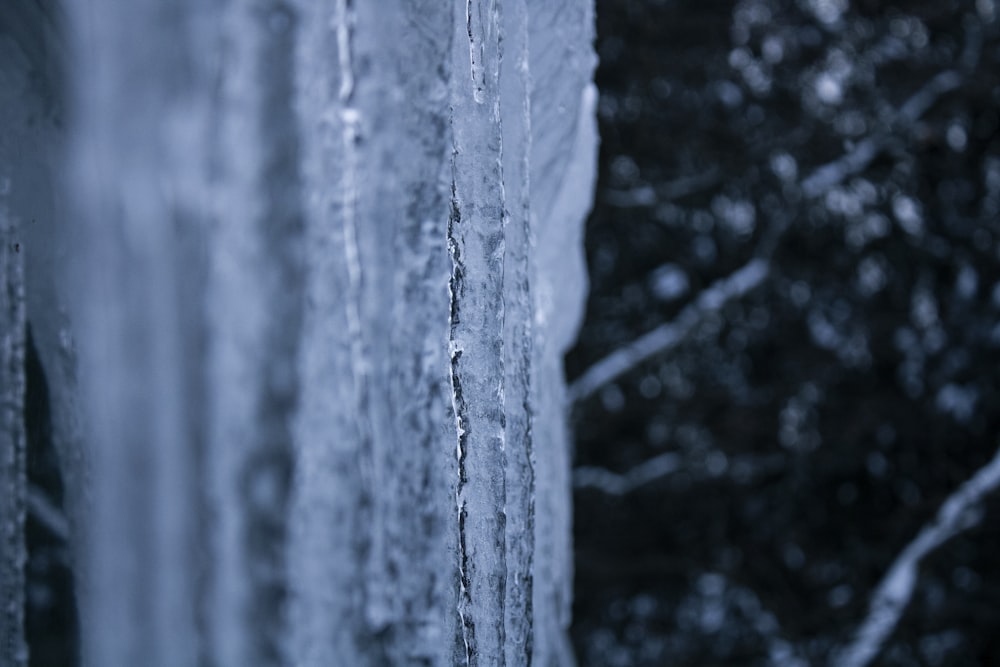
[
  {"x": 669, "y": 335},
  {"x": 643, "y": 195},
  {"x": 918, "y": 104},
  {"x": 820, "y": 181},
  {"x": 960, "y": 511},
  {"x": 742, "y": 470},
  {"x": 647, "y": 195},
  {"x": 858, "y": 158},
  {"x": 618, "y": 484},
  {"x": 830, "y": 174}
]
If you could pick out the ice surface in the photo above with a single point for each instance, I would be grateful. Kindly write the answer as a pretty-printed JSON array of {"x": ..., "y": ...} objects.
[{"x": 330, "y": 256}]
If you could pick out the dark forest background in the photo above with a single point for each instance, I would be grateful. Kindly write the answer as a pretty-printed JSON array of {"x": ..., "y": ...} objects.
[{"x": 742, "y": 490}]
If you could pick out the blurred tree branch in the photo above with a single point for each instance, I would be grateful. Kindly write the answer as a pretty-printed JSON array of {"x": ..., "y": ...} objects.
[
  {"x": 714, "y": 464},
  {"x": 959, "y": 512},
  {"x": 647, "y": 195},
  {"x": 671, "y": 334}
]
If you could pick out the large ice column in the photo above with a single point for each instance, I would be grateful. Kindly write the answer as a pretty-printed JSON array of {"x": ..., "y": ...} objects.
[
  {"x": 330, "y": 512},
  {"x": 190, "y": 277},
  {"x": 373, "y": 552},
  {"x": 144, "y": 75},
  {"x": 419, "y": 201},
  {"x": 254, "y": 312}
]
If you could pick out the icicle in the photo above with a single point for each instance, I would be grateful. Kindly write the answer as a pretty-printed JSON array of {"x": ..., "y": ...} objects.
[
  {"x": 563, "y": 170},
  {"x": 515, "y": 109},
  {"x": 254, "y": 306},
  {"x": 476, "y": 238}
]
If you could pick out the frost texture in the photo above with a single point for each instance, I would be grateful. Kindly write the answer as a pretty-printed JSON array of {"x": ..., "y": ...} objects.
[{"x": 329, "y": 260}]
